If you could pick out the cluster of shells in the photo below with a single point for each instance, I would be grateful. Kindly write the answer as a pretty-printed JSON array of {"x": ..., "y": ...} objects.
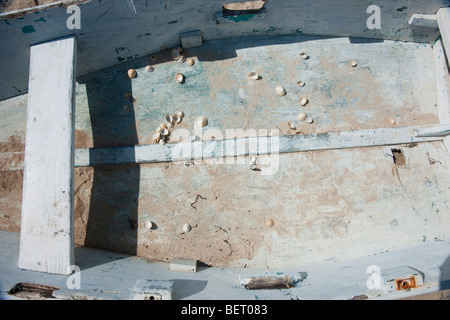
[
  {"x": 179, "y": 57},
  {"x": 162, "y": 133}
]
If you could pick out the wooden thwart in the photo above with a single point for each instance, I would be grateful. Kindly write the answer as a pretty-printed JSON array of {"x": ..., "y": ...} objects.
[
  {"x": 46, "y": 237},
  {"x": 252, "y": 145}
]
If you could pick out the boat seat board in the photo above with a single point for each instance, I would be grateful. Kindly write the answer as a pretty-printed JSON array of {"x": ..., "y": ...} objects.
[{"x": 46, "y": 242}]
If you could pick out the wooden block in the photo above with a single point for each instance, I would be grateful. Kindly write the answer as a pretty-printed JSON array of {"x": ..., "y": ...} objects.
[
  {"x": 46, "y": 238},
  {"x": 152, "y": 290},
  {"x": 191, "y": 39},
  {"x": 183, "y": 265},
  {"x": 423, "y": 20}
]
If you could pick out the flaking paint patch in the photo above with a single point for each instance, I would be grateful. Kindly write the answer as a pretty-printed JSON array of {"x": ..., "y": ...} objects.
[{"x": 28, "y": 29}]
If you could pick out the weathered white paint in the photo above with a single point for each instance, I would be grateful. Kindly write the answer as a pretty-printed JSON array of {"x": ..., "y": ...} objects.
[
  {"x": 438, "y": 131},
  {"x": 183, "y": 265},
  {"x": 112, "y": 32},
  {"x": 256, "y": 145},
  {"x": 113, "y": 276},
  {"x": 443, "y": 19},
  {"x": 423, "y": 20},
  {"x": 46, "y": 242}
]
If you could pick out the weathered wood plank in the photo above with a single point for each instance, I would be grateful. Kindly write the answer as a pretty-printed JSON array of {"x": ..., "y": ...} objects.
[
  {"x": 46, "y": 239},
  {"x": 443, "y": 19},
  {"x": 248, "y": 146}
]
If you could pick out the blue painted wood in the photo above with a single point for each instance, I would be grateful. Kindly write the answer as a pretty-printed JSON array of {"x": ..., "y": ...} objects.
[{"x": 111, "y": 33}]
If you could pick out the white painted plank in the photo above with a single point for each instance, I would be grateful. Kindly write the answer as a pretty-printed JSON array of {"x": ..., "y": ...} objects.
[
  {"x": 443, "y": 19},
  {"x": 247, "y": 146},
  {"x": 46, "y": 238},
  {"x": 442, "y": 82}
]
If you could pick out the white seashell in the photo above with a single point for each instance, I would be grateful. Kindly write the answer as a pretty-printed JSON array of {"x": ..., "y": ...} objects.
[
  {"x": 303, "y": 55},
  {"x": 187, "y": 227},
  {"x": 280, "y": 91},
  {"x": 291, "y": 126},
  {"x": 176, "y": 118},
  {"x": 162, "y": 142},
  {"x": 301, "y": 83},
  {"x": 181, "y": 114},
  {"x": 149, "y": 69},
  {"x": 176, "y": 54},
  {"x": 253, "y": 75},
  {"x": 392, "y": 121},
  {"x": 202, "y": 121},
  {"x": 148, "y": 224},
  {"x": 301, "y": 116},
  {"x": 190, "y": 61},
  {"x": 252, "y": 160},
  {"x": 165, "y": 132},
  {"x": 179, "y": 78},
  {"x": 181, "y": 59},
  {"x": 303, "y": 101},
  {"x": 168, "y": 118},
  {"x": 353, "y": 63},
  {"x": 269, "y": 223},
  {"x": 157, "y": 136},
  {"x": 309, "y": 119},
  {"x": 170, "y": 125}
]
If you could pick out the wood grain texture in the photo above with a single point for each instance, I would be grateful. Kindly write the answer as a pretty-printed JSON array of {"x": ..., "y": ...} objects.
[{"x": 46, "y": 242}]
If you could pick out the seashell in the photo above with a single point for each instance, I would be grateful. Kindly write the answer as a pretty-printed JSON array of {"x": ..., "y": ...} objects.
[
  {"x": 149, "y": 69},
  {"x": 176, "y": 118},
  {"x": 304, "y": 101},
  {"x": 253, "y": 159},
  {"x": 162, "y": 142},
  {"x": 179, "y": 49},
  {"x": 353, "y": 63},
  {"x": 164, "y": 132},
  {"x": 190, "y": 61},
  {"x": 170, "y": 125},
  {"x": 301, "y": 116},
  {"x": 176, "y": 54},
  {"x": 280, "y": 91},
  {"x": 157, "y": 136},
  {"x": 253, "y": 75},
  {"x": 182, "y": 59},
  {"x": 132, "y": 73},
  {"x": 291, "y": 126},
  {"x": 308, "y": 119},
  {"x": 148, "y": 224},
  {"x": 269, "y": 223},
  {"x": 187, "y": 227},
  {"x": 301, "y": 83},
  {"x": 392, "y": 121},
  {"x": 202, "y": 121},
  {"x": 153, "y": 57},
  {"x": 168, "y": 118},
  {"x": 127, "y": 95},
  {"x": 181, "y": 114},
  {"x": 179, "y": 78},
  {"x": 303, "y": 55}
]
